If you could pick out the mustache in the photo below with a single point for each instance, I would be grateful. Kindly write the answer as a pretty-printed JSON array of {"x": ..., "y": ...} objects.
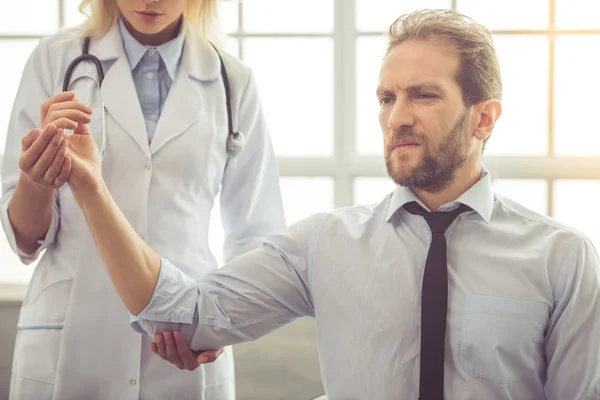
[{"x": 404, "y": 134}]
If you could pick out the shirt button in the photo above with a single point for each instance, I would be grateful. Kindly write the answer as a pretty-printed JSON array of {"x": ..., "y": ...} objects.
[
  {"x": 153, "y": 117},
  {"x": 148, "y": 167},
  {"x": 152, "y": 52},
  {"x": 150, "y": 75},
  {"x": 133, "y": 382}
]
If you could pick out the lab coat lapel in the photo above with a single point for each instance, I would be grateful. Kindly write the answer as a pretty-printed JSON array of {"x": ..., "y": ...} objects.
[
  {"x": 118, "y": 89},
  {"x": 199, "y": 66}
]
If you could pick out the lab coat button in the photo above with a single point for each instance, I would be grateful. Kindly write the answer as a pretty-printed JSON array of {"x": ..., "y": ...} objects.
[
  {"x": 148, "y": 167},
  {"x": 133, "y": 382}
]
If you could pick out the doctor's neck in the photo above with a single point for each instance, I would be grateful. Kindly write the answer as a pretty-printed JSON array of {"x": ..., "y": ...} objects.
[{"x": 155, "y": 39}]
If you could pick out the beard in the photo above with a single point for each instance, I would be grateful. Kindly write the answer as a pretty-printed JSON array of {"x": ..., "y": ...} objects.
[{"x": 437, "y": 169}]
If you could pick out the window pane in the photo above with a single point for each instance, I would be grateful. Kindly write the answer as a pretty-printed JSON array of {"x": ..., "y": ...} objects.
[
  {"x": 297, "y": 205},
  {"x": 573, "y": 201},
  {"x": 12, "y": 270},
  {"x": 29, "y": 17},
  {"x": 305, "y": 196},
  {"x": 228, "y": 15},
  {"x": 296, "y": 91},
  {"x": 369, "y": 56},
  {"x": 507, "y": 14},
  {"x": 72, "y": 15},
  {"x": 378, "y": 15},
  {"x": 19, "y": 50},
  {"x": 531, "y": 193},
  {"x": 523, "y": 127},
  {"x": 577, "y": 86},
  {"x": 232, "y": 47},
  {"x": 372, "y": 190},
  {"x": 577, "y": 14},
  {"x": 279, "y": 16}
]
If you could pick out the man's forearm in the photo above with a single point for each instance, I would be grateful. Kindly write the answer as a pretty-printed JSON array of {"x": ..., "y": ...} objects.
[{"x": 132, "y": 265}]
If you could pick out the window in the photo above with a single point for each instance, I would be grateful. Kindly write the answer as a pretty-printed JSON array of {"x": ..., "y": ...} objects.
[{"x": 316, "y": 63}]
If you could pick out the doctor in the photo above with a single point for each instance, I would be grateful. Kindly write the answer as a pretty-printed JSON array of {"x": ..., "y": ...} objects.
[{"x": 164, "y": 141}]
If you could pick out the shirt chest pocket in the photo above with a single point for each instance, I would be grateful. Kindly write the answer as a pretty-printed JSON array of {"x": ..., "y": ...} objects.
[{"x": 502, "y": 339}]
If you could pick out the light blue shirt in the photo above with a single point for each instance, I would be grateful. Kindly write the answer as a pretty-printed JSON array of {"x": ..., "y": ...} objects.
[
  {"x": 523, "y": 302},
  {"x": 153, "y": 69}
]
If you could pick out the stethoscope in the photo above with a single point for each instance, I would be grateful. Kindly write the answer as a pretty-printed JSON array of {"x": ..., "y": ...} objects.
[{"x": 235, "y": 140}]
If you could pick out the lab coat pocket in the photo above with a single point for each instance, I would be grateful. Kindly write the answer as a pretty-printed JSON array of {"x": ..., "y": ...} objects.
[
  {"x": 39, "y": 335},
  {"x": 502, "y": 339}
]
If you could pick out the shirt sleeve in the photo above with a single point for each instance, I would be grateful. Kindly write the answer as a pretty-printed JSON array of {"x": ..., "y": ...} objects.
[
  {"x": 573, "y": 336},
  {"x": 251, "y": 205},
  {"x": 249, "y": 297},
  {"x": 34, "y": 89}
]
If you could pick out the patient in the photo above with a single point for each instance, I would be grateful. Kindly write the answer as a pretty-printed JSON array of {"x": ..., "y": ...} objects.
[{"x": 442, "y": 290}]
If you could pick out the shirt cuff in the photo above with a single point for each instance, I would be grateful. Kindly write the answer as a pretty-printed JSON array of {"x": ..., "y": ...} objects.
[
  {"x": 174, "y": 301},
  {"x": 44, "y": 244}
]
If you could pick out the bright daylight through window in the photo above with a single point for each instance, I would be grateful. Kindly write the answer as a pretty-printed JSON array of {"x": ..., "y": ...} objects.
[{"x": 544, "y": 153}]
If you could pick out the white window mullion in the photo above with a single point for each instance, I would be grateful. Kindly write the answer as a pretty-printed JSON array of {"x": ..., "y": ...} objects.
[{"x": 345, "y": 100}]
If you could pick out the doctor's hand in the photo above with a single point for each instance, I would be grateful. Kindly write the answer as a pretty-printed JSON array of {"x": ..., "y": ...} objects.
[
  {"x": 86, "y": 170},
  {"x": 173, "y": 348},
  {"x": 44, "y": 158},
  {"x": 65, "y": 111}
]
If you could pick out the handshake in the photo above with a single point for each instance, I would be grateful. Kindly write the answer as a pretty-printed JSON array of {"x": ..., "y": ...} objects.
[{"x": 49, "y": 158}]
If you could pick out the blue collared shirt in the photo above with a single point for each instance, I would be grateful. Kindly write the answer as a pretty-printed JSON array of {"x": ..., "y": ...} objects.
[
  {"x": 523, "y": 302},
  {"x": 153, "y": 70}
]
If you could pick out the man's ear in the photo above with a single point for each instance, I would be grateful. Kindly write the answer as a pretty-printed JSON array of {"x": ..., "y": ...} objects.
[{"x": 488, "y": 112}]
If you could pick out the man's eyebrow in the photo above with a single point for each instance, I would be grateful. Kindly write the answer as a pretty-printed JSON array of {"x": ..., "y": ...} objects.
[
  {"x": 425, "y": 87},
  {"x": 421, "y": 87}
]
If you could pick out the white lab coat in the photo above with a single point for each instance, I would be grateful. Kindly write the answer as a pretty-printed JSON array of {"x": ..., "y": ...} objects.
[{"x": 74, "y": 339}]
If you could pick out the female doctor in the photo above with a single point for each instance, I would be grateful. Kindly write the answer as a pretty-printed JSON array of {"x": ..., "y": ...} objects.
[{"x": 160, "y": 121}]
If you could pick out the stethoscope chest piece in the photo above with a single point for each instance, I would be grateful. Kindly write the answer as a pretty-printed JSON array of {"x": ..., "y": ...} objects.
[{"x": 235, "y": 143}]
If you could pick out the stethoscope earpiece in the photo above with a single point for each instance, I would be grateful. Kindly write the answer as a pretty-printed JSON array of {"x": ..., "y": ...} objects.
[{"x": 235, "y": 143}]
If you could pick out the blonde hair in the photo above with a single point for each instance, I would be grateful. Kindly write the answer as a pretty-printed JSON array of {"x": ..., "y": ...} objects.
[
  {"x": 479, "y": 73},
  {"x": 199, "y": 15}
]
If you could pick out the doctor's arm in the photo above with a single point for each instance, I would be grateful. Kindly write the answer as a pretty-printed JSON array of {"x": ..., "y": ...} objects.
[
  {"x": 34, "y": 163},
  {"x": 251, "y": 205},
  {"x": 573, "y": 335}
]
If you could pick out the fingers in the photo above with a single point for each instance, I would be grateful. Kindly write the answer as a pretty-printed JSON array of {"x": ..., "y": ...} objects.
[
  {"x": 65, "y": 171},
  {"x": 57, "y": 164},
  {"x": 68, "y": 119},
  {"x": 160, "y": 345},
  {"x": 171, "y": 350},
  {"x": 65, "y": 111},
  {"x": 207, "y": 357},
  {"x": 41, "y": 153},
  {"x": 38, "y": 170},
  {"x": 59, "y": 98},
  {"x": 189, "y": 359},
  {"x": 34, "y": 144},
  {"x": 30, "y": 138}
]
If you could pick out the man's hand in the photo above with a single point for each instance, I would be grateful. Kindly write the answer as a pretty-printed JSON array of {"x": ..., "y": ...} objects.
[{"x": 173, "y": 348}]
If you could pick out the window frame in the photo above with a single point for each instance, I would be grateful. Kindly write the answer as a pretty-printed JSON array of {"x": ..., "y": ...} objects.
[{"x": 346, "y": 163}]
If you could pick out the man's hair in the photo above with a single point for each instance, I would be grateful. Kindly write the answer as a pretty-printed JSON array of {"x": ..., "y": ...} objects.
[{"x": 478, "y": 74}]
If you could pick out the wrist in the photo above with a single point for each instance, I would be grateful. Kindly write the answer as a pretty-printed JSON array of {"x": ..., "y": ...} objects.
[
  {"x": 32, "y": 188},
  {"x": 90, "y": 194}
]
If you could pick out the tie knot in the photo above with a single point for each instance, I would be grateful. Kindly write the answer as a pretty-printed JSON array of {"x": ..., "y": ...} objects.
[{"x": 438, "y": 221}]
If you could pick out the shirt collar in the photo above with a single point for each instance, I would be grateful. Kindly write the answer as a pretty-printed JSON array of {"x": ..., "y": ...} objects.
[
  {"x": 170, "y": 52},
  {"x": 480, "y": 197}
]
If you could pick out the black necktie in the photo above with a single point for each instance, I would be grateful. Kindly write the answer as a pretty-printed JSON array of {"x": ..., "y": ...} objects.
[{"x": 434, "y": 301}]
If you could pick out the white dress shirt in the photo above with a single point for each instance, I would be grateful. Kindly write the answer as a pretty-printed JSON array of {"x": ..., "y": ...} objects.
[{"x": 523, "y": 302}]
